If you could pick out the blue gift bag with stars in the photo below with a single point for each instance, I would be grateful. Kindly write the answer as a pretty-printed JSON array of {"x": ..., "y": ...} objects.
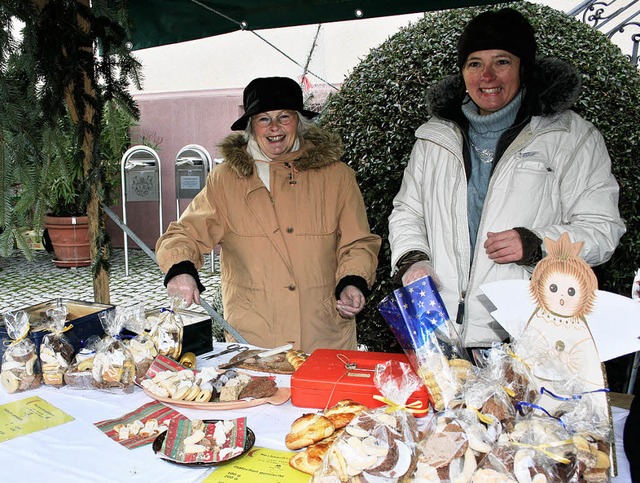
[{"x": 419, "y": 320}]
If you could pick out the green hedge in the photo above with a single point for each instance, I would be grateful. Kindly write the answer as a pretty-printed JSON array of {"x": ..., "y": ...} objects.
[{"x": 383, "y": 101}]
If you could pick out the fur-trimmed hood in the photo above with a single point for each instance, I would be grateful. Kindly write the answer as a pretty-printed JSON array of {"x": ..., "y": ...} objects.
[
  {"x": 554, "y": 87},
  {"x": 318, "y": 148}
]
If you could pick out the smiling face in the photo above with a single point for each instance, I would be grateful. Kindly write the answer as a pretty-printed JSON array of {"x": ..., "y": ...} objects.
[
  {"x": 492, "y": 79},
  {"x": 275, "y": 131},
  {"x": 562, "y": 294}
]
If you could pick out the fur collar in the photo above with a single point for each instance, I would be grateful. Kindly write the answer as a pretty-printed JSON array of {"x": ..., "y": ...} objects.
[
  {"x": 318, "y": 148},
  {"x": 554, "y": 87}
]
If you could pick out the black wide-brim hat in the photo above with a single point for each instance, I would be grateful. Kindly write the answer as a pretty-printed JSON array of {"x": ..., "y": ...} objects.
[{"x": 271, "y": 94}]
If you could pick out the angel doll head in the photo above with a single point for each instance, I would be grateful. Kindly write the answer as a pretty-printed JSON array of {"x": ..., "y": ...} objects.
[{"x": 562, "y": 282}]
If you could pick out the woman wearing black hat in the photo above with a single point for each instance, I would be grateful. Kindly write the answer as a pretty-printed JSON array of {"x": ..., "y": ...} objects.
[
  {"x": 502, "y": 164},
  {"x": 297, "y": 257}
]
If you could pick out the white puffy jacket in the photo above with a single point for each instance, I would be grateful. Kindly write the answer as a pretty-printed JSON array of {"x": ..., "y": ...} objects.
[{"x": 555, "y": 177}]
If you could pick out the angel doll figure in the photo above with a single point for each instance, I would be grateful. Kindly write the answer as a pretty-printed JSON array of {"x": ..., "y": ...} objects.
[{"x": 556, "y": 342}]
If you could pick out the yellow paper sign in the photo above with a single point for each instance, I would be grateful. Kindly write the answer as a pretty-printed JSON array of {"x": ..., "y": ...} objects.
[
  {"x": 259, "y": 464},
  {"x": 28, "y": 416}
]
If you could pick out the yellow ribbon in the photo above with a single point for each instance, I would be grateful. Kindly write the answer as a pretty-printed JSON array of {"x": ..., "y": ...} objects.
[
  {"x": 515, "y": 356},
  {"x": 21, "y": 337},
  {"x": 15, "y": 341},
  {"x": 541, "y": 449},
  {"x": 510, "y": 392},
  {"x": 486, "y": 419},
  {"x": 413, "y": 408},
  {"x": 64, "y": 329}
]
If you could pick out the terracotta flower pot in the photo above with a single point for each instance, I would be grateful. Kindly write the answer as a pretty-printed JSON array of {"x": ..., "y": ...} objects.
[{"x": 70, "y": 239}]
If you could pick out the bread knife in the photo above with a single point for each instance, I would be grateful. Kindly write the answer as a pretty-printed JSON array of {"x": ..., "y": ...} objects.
[{"x": 267, "y": 353}]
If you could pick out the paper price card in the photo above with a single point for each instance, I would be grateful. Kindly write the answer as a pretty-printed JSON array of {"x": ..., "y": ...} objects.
[
  {"x": 28, "y": 416},
  {"x": 259, "y": 464}
]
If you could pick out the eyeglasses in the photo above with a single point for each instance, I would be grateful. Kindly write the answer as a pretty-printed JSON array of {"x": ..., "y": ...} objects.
[{"x": 284, "y": 119}]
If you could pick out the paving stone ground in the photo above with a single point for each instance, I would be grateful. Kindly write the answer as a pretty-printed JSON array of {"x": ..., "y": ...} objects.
[{"x": 24, "y": 283}]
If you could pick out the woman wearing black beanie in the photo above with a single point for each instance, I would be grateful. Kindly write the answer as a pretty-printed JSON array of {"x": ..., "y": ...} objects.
[{"x": 502, "y": 163}]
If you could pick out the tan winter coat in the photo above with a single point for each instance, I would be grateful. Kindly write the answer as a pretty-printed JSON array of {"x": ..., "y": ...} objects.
[{"x": 282, "y": 251}]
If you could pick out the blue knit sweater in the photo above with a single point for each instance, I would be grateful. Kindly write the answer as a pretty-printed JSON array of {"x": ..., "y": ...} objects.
[{"x": 484, "y": 133}]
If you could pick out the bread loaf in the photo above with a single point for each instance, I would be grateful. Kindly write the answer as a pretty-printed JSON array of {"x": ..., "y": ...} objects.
[
  {"x": 296, "y": 358},
  {"x": 308, "y": 429},
  {"x": 310, "y": 458},
  {"x": 343, "y": 412}
]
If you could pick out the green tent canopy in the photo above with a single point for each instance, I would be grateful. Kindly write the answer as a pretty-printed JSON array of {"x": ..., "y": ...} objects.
[{"x": 161, "y": 22}]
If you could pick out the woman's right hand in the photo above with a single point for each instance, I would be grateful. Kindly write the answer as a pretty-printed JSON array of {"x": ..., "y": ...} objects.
[
  {"x": 185, "y": 286},
  {"x": 420, "y": 270}
]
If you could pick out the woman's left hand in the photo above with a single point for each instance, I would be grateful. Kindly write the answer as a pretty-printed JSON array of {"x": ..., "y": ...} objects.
[
  {"x": 504, "y": 247},
  {"x": 351, "y": 302}
]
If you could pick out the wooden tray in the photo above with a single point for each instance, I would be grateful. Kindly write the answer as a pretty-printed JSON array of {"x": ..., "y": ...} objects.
[{"x": 280, "y": 397}]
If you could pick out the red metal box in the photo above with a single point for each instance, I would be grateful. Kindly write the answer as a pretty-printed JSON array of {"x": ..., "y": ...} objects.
[{"x": 329, "y": 376}]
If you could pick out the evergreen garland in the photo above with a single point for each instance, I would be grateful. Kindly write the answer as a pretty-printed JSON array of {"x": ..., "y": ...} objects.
[{"x": 63, "y": 48}]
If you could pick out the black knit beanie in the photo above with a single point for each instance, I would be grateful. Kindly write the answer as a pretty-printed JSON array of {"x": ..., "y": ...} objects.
[{"x": 505, "y": 29}]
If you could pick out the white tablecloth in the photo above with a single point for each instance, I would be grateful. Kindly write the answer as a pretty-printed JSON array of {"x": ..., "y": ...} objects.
[{"x": 79, "y": 452}]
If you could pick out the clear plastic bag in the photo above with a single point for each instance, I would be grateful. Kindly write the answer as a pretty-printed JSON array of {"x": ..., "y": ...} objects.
[
  {"x": 20, "y": 370},
  {"x": 56, "y": 352},
  {"x": 378, "y": 444},
  {"x": 504, "y": 376},
  {"x": 419, "y": 320},
  {"x": 168, "y": 332},
  {"x": 492, "y": 403},
  {"x": 452, "y": 445},
  {"x": 113, "y": 366},
  {"x": 142, "y": 346},
  {"x": 538, "y": 445},
  {"x": 80, "y": 375},
  {"x": 591, "y": 433}
]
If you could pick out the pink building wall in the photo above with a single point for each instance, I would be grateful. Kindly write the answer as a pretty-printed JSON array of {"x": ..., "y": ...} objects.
[{"x": 178, "y": 119}]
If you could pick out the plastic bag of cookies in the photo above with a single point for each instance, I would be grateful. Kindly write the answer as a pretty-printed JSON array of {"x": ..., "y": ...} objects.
[
  {"x": 452, "y": 447},
  {"x": 168, "y": 329},
  {"x": 419, "y": 320},
  {"x": 56, "y": 352},
  {"x": 20, "y": 370},
  {"x": 591, "y": 434},
  {"x": 79, "y": 375},
  {"x": 142, "y": 346},
  {"x": 505, "y": 367},
  {"x": 113, "y": 366},
  {"x": 538, "y": 449},
  {"x": 378, "y": 444},
  {"x": 491, "y": 395}
]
